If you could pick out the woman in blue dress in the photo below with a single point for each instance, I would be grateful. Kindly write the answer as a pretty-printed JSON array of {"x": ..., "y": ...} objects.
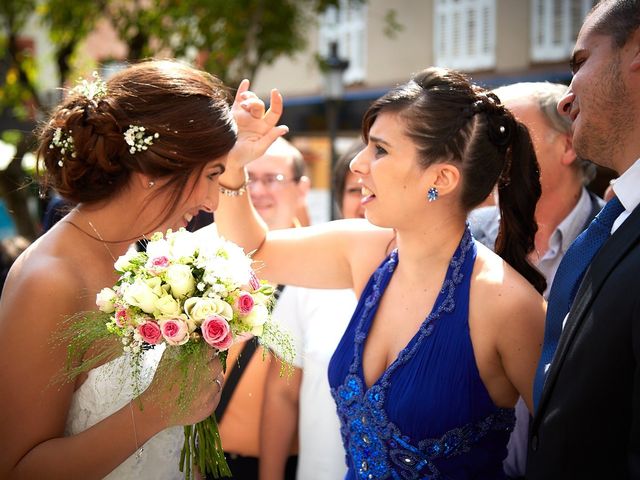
[{"x": 446, "y": 334}]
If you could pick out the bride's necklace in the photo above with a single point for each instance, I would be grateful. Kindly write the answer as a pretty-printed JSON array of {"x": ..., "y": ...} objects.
[
  {"x": 97, "y": 237},
  {"x": 102, "y": 240}
]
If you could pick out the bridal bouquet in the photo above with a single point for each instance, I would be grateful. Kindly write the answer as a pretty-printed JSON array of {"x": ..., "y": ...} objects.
[{"x": 193, "y": 296}]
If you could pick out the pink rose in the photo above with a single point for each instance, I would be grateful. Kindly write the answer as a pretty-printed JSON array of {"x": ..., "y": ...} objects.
[
  {"x": 244, "y": 303},
  {"x": 150, "y": 332},
  {"x": 158, "y": 265},
  {"x": 121, "y": 316},
  {"x": 216, "y": 332},
  {"x": 175, "y": 331},
  {"x": 254, "y": 283},
  {"x": 160, "y": 262}
]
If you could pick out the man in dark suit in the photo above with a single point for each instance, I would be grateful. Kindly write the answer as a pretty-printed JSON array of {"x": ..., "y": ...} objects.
[{"x": 587, "y": 419}]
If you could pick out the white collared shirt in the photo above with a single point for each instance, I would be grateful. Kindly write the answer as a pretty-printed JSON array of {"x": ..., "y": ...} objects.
[
  {"x": 627, "y": 191},
  {"x": 562, "y": 237}
]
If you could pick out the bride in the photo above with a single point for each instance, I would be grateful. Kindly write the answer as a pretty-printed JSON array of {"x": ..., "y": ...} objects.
[{"x": 128, "y": 182}]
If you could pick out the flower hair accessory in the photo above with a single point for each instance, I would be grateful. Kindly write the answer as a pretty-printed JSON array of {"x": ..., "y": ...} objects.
[
  {"x": 137, "y": 139},
  {"x": 63, "y": 141},
  {"x": 92, "y": 90}
]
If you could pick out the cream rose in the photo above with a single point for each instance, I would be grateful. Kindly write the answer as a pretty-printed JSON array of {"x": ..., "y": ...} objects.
[
  {"x": 257, "y": 316},
  {"x": 141, "y": 295},
  {"x": 198, "y": 308},
  {"x": 167, "y": 306},
  {"x": 180, "y": 280},
  {"x": 105, "y": 300}
]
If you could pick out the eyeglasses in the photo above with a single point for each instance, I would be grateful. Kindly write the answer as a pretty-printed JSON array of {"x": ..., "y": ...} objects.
[{"x": 270, "y": 182}]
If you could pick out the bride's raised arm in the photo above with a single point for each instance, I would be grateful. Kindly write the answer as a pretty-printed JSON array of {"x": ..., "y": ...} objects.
[{"x": 328, "y": 255}]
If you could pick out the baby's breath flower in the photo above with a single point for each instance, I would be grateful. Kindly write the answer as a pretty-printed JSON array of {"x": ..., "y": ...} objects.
[
  {"x": 63, "y": 141},
  {"x": 137, "y": 139},
  {"x": 94, "y": 90}
]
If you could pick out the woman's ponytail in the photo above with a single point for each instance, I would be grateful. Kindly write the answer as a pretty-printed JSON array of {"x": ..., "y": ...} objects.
[{"x": 518, "y": 192}]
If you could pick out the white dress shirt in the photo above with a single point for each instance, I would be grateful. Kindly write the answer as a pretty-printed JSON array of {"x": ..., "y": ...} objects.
[{"x": 627, "y": 191}]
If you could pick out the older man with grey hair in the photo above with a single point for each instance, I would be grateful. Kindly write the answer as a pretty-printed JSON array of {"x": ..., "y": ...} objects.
[{"x": 564, "y": 210}]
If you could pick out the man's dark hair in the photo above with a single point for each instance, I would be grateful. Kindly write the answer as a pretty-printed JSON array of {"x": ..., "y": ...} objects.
[{"x": 619, "y": 19}]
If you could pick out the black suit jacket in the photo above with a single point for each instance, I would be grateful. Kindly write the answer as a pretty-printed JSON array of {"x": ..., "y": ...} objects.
[{"x": 588, "y": 420}]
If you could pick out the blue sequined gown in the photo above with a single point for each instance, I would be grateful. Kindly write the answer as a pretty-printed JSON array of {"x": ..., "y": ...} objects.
[{"x": 429, "y": 415}]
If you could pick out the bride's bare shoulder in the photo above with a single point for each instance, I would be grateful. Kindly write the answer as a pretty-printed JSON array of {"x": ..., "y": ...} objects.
[{"x": 42, "y": 279}]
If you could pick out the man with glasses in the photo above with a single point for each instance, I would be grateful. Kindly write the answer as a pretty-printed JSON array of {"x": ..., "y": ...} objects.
[{"x": 277, "y": 185}]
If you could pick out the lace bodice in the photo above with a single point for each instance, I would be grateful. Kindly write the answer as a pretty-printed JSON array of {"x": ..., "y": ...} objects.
[{"x": 107, "y": 389}]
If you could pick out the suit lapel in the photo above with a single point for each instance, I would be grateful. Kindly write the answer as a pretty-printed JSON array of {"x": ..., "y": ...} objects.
[{"x": 611, "y": 254}]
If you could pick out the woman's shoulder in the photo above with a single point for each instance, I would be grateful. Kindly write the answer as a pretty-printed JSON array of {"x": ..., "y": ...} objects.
[
  {"x": 502, "y": 289},
  {"x": 43, "y": 277}
]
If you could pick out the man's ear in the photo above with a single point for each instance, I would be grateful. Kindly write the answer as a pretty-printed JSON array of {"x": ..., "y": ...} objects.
[
  {"x": 304, "y": 185},
  {"x": 569, "y": 154},
  {"x": 634, "y": 44}
]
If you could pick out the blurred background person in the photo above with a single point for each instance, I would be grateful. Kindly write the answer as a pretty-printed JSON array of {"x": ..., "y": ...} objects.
[
  {"x": 565, "y": 207},
  {"x": 278, "y": 188},
  {"x": 10, "y": 249},
  {"x": 317, "y": 319}
]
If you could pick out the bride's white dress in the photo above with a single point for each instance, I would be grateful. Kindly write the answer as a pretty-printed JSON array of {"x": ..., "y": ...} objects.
[{"x": 107, "y": 389}]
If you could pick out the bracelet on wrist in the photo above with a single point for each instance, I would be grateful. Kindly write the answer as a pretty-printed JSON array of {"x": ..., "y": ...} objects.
[{"x": 235, "y": 192}]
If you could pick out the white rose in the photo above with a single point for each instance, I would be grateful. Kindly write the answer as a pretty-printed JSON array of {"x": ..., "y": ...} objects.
[
  {"x": 124, "y": 261},
  {"x": 183, "y": 244},
  {"x": 105, "y": 300},
  {"x": 200, "y": 308},
  {"x": 257, "y": 316},
  {"x": 180, "y": 280},
  {"x": 139, "y": 294},
  {"x": 155, "y": 284},
  {"x": 167, "y": 306}
]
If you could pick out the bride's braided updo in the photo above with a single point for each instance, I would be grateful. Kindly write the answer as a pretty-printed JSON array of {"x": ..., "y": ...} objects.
[{"x": 184, "y": 110}]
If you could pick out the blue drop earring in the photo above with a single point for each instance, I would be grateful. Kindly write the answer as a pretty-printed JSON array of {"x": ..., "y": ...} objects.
[{"x": 432, "y": 194}]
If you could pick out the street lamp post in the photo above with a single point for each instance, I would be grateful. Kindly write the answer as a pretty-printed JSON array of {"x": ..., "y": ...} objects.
[{"x": 334, "y": 67}]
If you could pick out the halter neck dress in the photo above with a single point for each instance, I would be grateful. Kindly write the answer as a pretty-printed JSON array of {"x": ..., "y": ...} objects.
[{"x": 428, "y": 416}]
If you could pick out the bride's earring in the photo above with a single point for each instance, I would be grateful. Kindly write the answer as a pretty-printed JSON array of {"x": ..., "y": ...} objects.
[{"x": 151, "y": 183}]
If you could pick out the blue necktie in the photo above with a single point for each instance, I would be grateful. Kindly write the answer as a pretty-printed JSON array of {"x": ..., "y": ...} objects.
[{"x": 566, "y": 282}]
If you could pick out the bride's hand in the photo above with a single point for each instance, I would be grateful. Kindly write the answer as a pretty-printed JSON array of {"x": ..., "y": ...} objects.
[
  {"x": 257, "y": 128},
  {"x": 164, "y": 392}
]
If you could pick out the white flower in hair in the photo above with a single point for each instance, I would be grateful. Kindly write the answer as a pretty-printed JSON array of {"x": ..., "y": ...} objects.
[
  {"x": 137, "y": 139},
  {"x": 63, "y": 141},
  {"x": 92, "y": 90}
]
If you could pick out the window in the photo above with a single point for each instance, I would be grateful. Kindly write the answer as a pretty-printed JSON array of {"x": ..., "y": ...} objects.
[
  {"x": 465, "y": 34},
  {"x": 346, "y": 25},
  {"x": 554, "y": 27}
]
